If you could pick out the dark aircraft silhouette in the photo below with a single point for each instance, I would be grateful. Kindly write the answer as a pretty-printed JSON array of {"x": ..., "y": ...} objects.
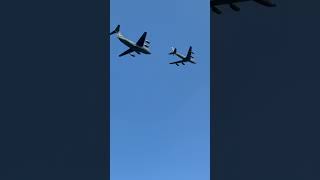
[
  {"x": 185, "y": 59},
  {"x": 214, "y": 3}
]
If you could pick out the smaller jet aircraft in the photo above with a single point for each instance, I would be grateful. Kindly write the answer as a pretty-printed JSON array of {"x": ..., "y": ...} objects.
[
  {"x": 142, "y": 45},
  {"x": 214, "y": 3},
  {"x": 185, "y": 59}
]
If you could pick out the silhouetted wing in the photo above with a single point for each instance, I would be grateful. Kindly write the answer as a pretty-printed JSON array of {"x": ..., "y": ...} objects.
[
  {"x": 178, "y": 62},
  {"x": 140, "y": 42},
  {"x": 267, "y": 3},
  {"x": 221, "y": 2},
  {"x": 175, "y": 62},
  {"x": 126, "y": 52},
  {"x": 189, "y": 55}
]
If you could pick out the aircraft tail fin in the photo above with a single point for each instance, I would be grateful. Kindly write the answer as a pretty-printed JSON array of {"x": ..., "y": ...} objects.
[
  {"x": 173, "y": 51},
  {"x": 116, "y": 30}
]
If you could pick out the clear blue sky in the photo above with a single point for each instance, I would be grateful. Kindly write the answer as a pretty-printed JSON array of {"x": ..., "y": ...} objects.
[{"x": 160, "y": 113}]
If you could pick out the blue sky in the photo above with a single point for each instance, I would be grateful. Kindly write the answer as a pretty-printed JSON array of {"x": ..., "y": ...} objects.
[{"x": 160, "y": 113}]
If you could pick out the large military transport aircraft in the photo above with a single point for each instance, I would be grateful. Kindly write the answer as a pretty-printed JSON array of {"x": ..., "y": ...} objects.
[
  {"x": 185, "y": 59},
  {"x": 142, "y": 45},
  {"x": 214, "y": 3}
]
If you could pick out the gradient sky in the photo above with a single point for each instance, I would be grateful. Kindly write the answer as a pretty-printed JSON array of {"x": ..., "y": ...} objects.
[{"x": 160, "y": 113}]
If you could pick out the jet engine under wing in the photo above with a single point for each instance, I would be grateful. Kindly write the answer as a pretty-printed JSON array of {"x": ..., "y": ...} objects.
[
  {"x": 141, "y": 40},
  {"x": 177, "y": 62},
  {"x": 126, "y": 52}
]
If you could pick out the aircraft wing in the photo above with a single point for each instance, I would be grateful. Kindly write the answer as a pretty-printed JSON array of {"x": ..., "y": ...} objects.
[
  {"x": 177, "y": 62},
  {"x": 126, "y": 52},
  {"x": 221, "y": 2},
  {"x": 214, "y": 3},
  {"x": 140, "y": 42},
  {"x": 189, "y": 55}
]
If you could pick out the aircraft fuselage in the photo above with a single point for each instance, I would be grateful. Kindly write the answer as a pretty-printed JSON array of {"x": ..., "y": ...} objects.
[
  {"x": 180, "y": 56},
  {"x": 184, "y": 59},
  {"x": 133, "y": 45}
]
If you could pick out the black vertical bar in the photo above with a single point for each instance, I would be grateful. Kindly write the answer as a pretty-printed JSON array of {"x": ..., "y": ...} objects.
[
  {"x": 213, "y": 135},
  {"x": 265, "y": 106},
  {"x": 54, "y": 95}
]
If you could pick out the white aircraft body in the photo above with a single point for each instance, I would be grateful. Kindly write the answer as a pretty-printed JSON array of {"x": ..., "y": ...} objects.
[{"x": 142, "y": 45}]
